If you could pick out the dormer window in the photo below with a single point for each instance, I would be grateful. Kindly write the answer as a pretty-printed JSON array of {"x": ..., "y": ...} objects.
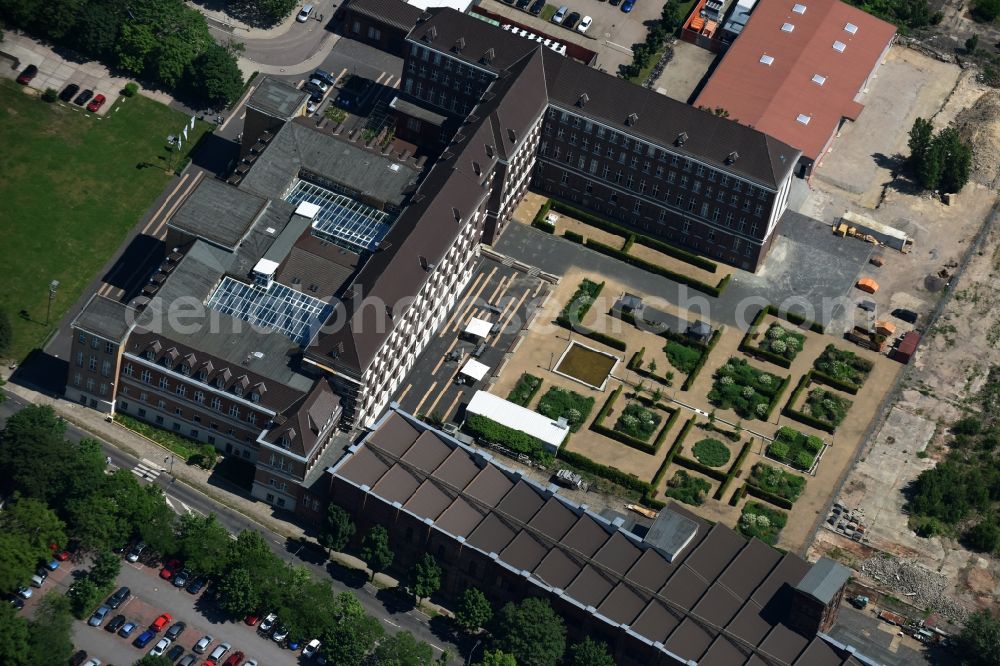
[
  {"x": 150, "y": 355},
  {"x": 202, "y": 375},
  {"x": 238, "y": 390},
  {"x": 168, "y": 362},
  {"x": 220, "y": 382},
  {"x": 185, "y": 369},
  {"x": 283, "y": 442},
  {"x": 255, "y": 397}
]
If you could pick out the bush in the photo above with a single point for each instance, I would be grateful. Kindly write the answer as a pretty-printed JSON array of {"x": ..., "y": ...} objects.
[
  {"x": 761, "y": 522},
  {"x": 525, "y": 389},
  {"x": 782, "y": 342},
  {"x": 746, "y": 390},
  {"x": 573, "y": 236},
  {"x": 637, "y": 421},
  {"x": 579, "y": 304},
  {"x": 795, "y": 448},
  {"x": 711, "y": 452},
  {"x": 612, "y": 474},
  {"x": 777, "y": 481},
  {"x": 496, "y": 433},
  {"x": 843, "y": 366},
  {"x": 560, "y": 402},
  {"x": 656, "y": 269},
  {"x": 131, "y": 89},
  {"x": 50, "y": 95},
  {"x": 826, "y": 406},
  {"x": 686, "y": 488},
  {"x": 683, "y": 357}
]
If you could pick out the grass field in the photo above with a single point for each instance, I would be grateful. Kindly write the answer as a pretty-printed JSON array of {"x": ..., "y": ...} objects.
[{"x": 72, "y": 184}]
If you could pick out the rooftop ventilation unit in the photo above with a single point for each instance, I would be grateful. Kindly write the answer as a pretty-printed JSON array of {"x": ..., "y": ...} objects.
[
  {"x": 263, "y": 272},
  {"x": 851, "y": 28},
  {"x": 307, "y": 209},
  {"x": 582, "y": 100},
  {"x": 732, "y": 157},
  {"x": 431, "y": 34},
  {"x": 766, "y": 60},
  {"x": 681, "y": 139},
  {"x": 632, "y": 119},
  {"x": 489, "y": 55},
  {"x": 818, "y": 79},
  {"x": 787, "y": 27},
  {"x": 799, "y": 8},
  {"x": 839, "y": 46},
  {"x": 459, "y": 44}
]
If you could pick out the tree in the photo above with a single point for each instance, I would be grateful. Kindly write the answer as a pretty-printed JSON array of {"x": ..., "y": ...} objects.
[
  {"x": 983, "y": 537},
  {"x": 95, "y": 522},
  {"x": 13, "y": 636},
  {"x": 474, "y": 610},
  {"x": 497, "y": 658},
  {"x": 215, "y": 76},
  {"x": 203, "y": 543},
  {"x": 348, "y": 641},
  {"x": 402, "y": 649},
  {"x": 921, "y": 136},
  {"x": 591, "y": 653},
  {"x": 35, "y": 522},
  {"x": 956, "y": 159},
  {"x": 337, "y": 528},
  {"x": 425, "y": 577},
  {"x": 17, "y": 560},
  {"x": 6, "y": 332},
  {"x": 311, "y": 611},
  {"x": 531, "y": 631},
  {"x": 83, "y": 596},
  {"x": 985, "y": 11},
  {"x": 971, "y": 44},
  {"x": 238, "y": 593},
  {"x": 979, "y": 642},
  {"x": 50, "y": 631},
  {"x": 153, "y": 660},
  {"x": 249, "y": 550},
  {"x": 105, "y": 569},
  {"x": 375, "y": 550}
]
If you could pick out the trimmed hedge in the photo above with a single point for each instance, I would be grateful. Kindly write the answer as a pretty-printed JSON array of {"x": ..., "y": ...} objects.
[
  {"x": 803, "y": 417},
  {"x": 696, "y": 466},
  {"x": 573, "y": 236},
  {"x": 796, "y": 319},
  {"x": 608, "y": 404},
  {"x": 738, "y": 494},
  {"x": 733, "y": 469},
  {"x": 611, "y": 227},
  {"x": 491, "y": 431},
  {"x": 674, "y": 448},
  {"x": 636, "y": 360},
  {"x": 650, "y": 267},
  {"x": 833, "y": 382},
  {"x": 544, "y": 225},
  {"x": 633, "y": 442},
  {"x": 629, "y": 242},
  {"x": 704, "y": 357},
  {"x": 540, "y": 216},
  {"x": 777, "y": 396},
  {"x": 596, "y": 336},
  {"x": 630, "y": 481},
  {"x": 776, "y": 500}
]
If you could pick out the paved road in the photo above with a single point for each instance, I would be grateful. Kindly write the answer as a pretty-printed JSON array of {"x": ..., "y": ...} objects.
[
  {"x": 297, "y": 45},
  {"x": 184, "y": 499}
]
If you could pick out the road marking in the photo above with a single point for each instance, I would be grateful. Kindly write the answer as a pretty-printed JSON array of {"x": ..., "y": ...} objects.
[
  {"x": 403, "y": 394},
  {"x": 416, "y": 410},
  {"x": 503, "y": 281},
  {"x": 147, "y": 469},
  {"x": 461, "y": 304},
  {"x": 187, "y": 192},
  {"x": 430, "y": 410},
  {"x": 238, "y": 105},
  {"x": 441, "y": 360},
  {"x": 452, "y": 405},
  {"x": 514, "y": 310},
  {"x": 388, "y": 621},
  {"x": 474, "y": 299},
  {"x": 165, "y": 202}
]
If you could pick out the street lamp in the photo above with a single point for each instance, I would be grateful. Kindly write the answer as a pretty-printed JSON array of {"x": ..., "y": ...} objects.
[
  {"x": 171, "y": 459},
  {"x": 53, "y": 288},
  {"x": 472, "y": 651}
]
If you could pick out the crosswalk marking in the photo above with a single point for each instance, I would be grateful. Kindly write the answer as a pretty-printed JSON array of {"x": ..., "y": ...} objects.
[{"x": 147, "y": 469}]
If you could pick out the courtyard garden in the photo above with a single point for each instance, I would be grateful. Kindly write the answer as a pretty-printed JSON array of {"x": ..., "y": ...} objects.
[
  {"x": 525, "y": 389},
  {"x": 687, "y": 488},
  {"x": 582, "y": 299},
  {"x": 570, "y": 405},
  {"x": 762, "y": 522},
  {"x": 782, "y": 342},
  {"x": 637, "y": 421},
  {"x": 844, "y": 367},
  {"x": 586, "y": 365},
  {"x": 795, "y": 448},
  {"x": 745, "y": 389},
  {"x": 777, "y": 482},
  {"x": 827, "y": 406},
  {"x": 711, "y": 452},
  {"x": 683, "y": 357}
]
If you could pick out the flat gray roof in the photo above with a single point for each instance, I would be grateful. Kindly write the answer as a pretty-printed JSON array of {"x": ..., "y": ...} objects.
[
  {"x": 218, "y": 212},
  {"x": 824, "y": 579},
  {"x": 105, "y": 318},
  {"x": 277, "y": 98}
]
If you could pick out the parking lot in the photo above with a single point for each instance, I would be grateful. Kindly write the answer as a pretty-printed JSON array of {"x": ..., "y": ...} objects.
[{"x": 151, "y": 596}]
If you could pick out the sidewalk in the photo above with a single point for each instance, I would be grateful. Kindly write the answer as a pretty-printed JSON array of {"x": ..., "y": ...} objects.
[{"x": 324, "y": 8}]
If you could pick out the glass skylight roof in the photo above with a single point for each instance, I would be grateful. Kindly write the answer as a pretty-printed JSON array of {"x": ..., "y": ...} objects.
[
  {"x": 342, "y": 220},
  {"x": 279, "y": 307}
]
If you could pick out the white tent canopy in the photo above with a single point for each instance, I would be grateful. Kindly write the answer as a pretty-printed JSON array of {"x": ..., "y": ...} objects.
[
  {"x": 475, "y": 369},
  {"x": 478, "y": 327},
  {"x": 506, "y": 413}
]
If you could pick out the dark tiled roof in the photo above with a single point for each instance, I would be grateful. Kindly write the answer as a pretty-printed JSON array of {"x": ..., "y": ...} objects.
[
  {"x": 445, "y": 27},
  {"x": 102, "y": 316},
  {"x": 396, "y": 13},
  {"x": 218, "y": 212},
  {"x": 306, "y": 423},
  {"x": 722, "y": 596}
]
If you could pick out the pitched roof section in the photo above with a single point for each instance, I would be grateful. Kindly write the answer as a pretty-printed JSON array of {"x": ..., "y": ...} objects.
[
  {"x": 396, "y": 13},
  {"x": 105, "y": 318},
  {"x": 722, "y": 596},
  {"x": 810, "y": 84},
  {"x": 659, "y": 119},
  {"x": 476, "y": 42}
]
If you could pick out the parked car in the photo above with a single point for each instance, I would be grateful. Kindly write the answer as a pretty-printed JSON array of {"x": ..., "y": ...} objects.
[
  {"x": 304, "y": 13},
  {"x": 160, "y": 622},
  {"x": 66, "y": 95},
  {"x": 311, "y": 648},
  {"x": 536, "y": 7},
  {"x": 181, "y": 578},
  {"x": 293, "y": 643},
  {"x": 560, "y": 14},
  {"x": 24, "y": 592},
  {"x": 627, "y": 5},
  {"x": 202, "y": 644},
  {"x": 170, "y": 567},
  {"x": 78, "y": 658},
  {"x": 144, "y": 638},
  {"x": 119, "y": 597},
  {"x": 268, "y": 623},
  {"x": 235, "y": 659},
  {"x": 27, "y": 74},
  {"x": 252, "y": 619},
  {"x": 41, "y": 572},
  {"x": 136, "y": 552},
  {"x": 324, "y": 76},
  {"x": 279, "y": 634},
  {"x": 175, "y": 630},
  {"x": 92, "y": 662},
  {"x": 187, "y": 661},
  {"x": 570, "y": 21},
  {"x": 52, "y": 565},
  {"x": 522, "y": 4},
  {"x": 16, "y": 601},
  {"x": 96, "y": 103},
  {"x": 196, "y": 585},
  {"x": 160, "y": 647},
  {"x": 174, "y": 653},
  {"x": 311, "y": 106},
  {"x": 218, "y": 653},
  {"x": 909, "y": 316},
  {"x": 116, "y": 623},
  {"x": 98, "y": 617},
  {"x": 127, "y": 629},
  {"x": 584, "y": 24}
]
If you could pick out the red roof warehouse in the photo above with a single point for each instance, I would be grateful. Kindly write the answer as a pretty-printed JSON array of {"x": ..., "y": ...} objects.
[{"x": 797, "y": 69}]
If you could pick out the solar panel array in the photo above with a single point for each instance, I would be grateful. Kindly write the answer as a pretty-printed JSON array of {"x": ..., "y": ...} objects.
[
  {"x": 279, "y": 307},
  {"x": 342, "y": 220}
]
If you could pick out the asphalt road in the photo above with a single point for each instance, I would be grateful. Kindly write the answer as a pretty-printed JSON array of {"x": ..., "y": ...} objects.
[
  {"x": 183, "y": 498},
  {"x": 298, "y": 44}
]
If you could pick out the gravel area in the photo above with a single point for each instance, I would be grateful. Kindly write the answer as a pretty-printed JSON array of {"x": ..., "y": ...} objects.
[{"x": 921, "y": 587}]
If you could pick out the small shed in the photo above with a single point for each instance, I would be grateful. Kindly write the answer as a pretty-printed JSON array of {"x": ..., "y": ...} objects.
[
  {"x": 477, "y": 328},
  {"x": 868, "y": 285},
  {"x": 886, "y": 328},
  {"x": 630, "y": 302},
  {"x": 699, "y": 331},
  {"x": 907, "y": 347},
  {"x": 474, "y": 370}
]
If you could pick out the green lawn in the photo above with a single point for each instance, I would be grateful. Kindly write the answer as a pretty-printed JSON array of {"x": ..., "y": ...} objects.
[{"x": 72, "y": 186}]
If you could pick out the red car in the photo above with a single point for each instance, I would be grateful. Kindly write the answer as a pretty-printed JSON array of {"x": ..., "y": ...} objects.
[
  {"x": 170, "y": 567},
  {"x": 235, "y": 659},
  {"x": 251, "y": 619},
  {"x": 160, "y": 622},
  {"x": 96, "y": 103},
  {"x": 27, "y": 75}
]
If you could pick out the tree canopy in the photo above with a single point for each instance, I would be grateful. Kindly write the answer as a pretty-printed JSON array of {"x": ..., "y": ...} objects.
[
  {"x": 979, "y": 642},
  {"x": 375, "y": 550},
  {"x": 425, "y": 577},
  {"x": 941, "y": 161},
  {"x": 338, "y": 528},
  {"x": 590, "y": 653},
  {"x": 402, "y": 649},
  {"x": 530, "y": 631},
  {"x": 473, "y": 611}
]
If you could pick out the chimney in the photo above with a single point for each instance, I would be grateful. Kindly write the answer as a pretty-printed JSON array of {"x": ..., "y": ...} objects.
[
  {"x": 456, "y": 214},
  {"x": 489, "y": 55},
  {"x": 512, "y": 135},
  {"x": 431, "y": 34},
  {"x": 582, "y": 100},
  {"x": 732, "y": 157},
  {"x": 632, "y": 119},
  {"x": 459, "y": 44},
  {"x": 681, "y": 139}
]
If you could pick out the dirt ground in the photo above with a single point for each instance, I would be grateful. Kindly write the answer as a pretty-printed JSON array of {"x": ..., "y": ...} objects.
[{"x": 685, "y": 71}]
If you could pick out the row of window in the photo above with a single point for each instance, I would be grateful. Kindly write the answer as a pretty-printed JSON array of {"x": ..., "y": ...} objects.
[
  {"x": 179, "y": 413},
  {"x": 89, "y": 384},
  {"x": 92, "y": 364},
  {"x": 437, "y": 97},
  {"x": 95, "y": 342},
  {"x": 202, "y": 375},
  {"x": 181, "y": 390},
  {"x": 448, "y": 63},
  {"x": 445, "y": 79}
]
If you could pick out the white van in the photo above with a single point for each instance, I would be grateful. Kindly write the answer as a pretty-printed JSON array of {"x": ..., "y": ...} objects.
[{"x": 305, "y": 13}]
